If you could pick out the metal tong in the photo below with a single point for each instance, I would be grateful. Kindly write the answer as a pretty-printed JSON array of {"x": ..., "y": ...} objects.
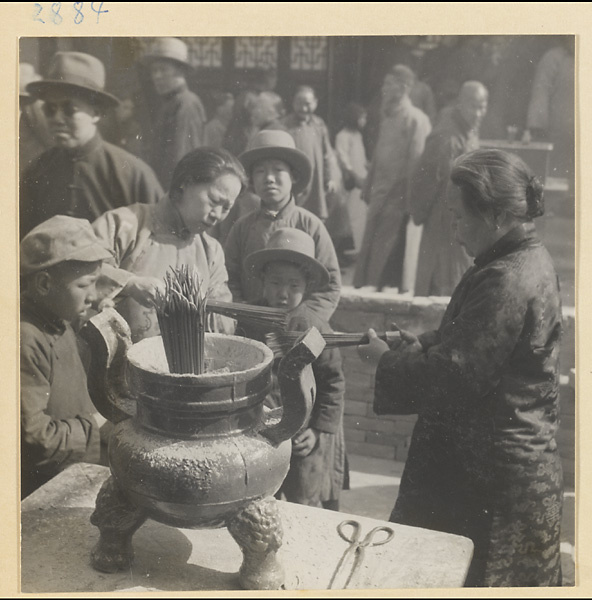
[{"x": 357, "y": 546}]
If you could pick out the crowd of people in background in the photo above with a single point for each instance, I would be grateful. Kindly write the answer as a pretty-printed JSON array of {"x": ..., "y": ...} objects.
[
  {"x": 383, "y": 171},
  {"x": 367, "y": 180}
]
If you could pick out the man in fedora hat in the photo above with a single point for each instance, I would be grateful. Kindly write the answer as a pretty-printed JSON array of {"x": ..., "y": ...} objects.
[
  {"x": 181, "y": 117},
  {"x": 82, "y": 175},
  {"x": 278, "y": 171}
]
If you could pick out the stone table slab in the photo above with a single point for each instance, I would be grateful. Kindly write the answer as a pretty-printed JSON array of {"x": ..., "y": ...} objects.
[{"x": 57, "y": 538}]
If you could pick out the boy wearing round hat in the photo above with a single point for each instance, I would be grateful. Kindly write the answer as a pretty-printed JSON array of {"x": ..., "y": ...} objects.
[
  {"x": 82, "y": 175},
  {"x": 277, "y": 172},
  {"x": 60, "y": 261},
  {"x": 181, "y": 117},
  {"x": 289, "y": 273}
]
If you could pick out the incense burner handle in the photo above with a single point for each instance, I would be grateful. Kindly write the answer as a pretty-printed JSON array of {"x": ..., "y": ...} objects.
[
  {"x": 108, "y": 336},
  {"x": 297, "y": 386}
]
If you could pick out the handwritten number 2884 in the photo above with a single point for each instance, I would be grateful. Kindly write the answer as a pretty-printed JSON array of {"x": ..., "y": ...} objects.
[{"x": 56, "y": 17}]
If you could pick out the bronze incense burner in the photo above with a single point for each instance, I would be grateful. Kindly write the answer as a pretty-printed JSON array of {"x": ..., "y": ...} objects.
[{"x": 196, "y": 451}]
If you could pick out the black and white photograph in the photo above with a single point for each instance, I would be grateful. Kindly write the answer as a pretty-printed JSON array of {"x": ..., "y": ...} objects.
[{"x": 295, "y": 312}]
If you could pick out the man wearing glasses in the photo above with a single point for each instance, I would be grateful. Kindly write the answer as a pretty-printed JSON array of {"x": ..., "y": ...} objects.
[{"x": 82, "y": 175}]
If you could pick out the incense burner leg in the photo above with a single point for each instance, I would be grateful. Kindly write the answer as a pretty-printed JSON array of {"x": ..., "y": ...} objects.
[
  {"x": 258, "y": 531},
  {"x": 117, "y": 520}
]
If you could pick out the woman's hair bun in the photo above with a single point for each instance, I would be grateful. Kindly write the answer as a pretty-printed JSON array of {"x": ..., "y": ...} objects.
[{"x": 535, "y": 201}]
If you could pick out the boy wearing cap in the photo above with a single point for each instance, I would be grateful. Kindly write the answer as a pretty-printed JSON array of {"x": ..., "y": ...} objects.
[
  {"x": 289, "y": 272},
  {"x": 60, "y": 262},
  {"x": 181, "y": 117},
  {"x": 277, "y": 172},
  {"x": 82, "y": 175}
]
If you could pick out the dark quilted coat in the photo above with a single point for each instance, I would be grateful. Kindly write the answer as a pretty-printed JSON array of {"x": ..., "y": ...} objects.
[{"x": 483, "y": 460}]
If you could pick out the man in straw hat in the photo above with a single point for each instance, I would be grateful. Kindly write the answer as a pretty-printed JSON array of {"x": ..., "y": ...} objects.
[
  {"x": 181, "y": 118},
  {"x": 289, "y": 273},
  {"x": 82, "y": 175},
  {"x": 278, "y": 171}
]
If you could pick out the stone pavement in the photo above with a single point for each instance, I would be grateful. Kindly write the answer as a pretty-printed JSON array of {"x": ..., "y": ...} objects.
[{"x": 374, "y": 486}]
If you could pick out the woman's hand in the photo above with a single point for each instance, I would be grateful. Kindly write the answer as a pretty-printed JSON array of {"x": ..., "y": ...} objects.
[
  {"x": 371, "y": 352},
  {"x": 304, "y": 443},
  {"x": 409, "y": 341},
  {"x": 143, "y": 289}
]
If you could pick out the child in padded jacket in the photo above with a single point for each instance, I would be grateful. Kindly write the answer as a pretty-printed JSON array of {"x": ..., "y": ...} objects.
[
  {"x": 60, "y": 263},
  {"x": 289, "y": 272}
]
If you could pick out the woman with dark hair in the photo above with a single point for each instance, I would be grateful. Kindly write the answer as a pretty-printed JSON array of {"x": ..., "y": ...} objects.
[
  {"x": 483, "y": 460},
  {"x": 147, "y": 240}
]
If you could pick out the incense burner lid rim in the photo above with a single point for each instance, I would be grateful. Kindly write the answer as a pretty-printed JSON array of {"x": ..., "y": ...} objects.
[{"x": 136, "y": 354}]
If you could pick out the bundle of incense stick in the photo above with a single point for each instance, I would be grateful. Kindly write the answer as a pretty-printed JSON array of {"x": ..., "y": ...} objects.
[
  {"x": 280, "y": 343},
  {"x": 258, "y": 316},
  {"x": 181, "y": 317}
]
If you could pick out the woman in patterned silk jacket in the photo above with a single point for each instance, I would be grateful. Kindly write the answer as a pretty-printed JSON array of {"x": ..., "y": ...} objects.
[{"x": 483, "y": 460}]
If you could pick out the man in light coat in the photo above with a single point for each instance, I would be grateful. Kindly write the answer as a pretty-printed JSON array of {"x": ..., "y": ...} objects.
[{"x": 403, "y": 131}]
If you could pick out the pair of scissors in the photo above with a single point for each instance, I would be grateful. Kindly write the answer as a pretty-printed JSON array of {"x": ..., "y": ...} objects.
[{"x": 358, "y": 546}]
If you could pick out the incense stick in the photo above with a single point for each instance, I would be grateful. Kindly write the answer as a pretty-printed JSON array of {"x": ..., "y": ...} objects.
[
  {"x": 259, "y": 316},
  {"x": 180, "y": 309},
  {"x": 281, "y": 342}
]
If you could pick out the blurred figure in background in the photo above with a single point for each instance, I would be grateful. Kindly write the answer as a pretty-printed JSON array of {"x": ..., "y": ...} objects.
[
  {"x": 34, "y": 135},
  {"x": 216, "y": 127},
  {"x": 403, "y": 131},
  {"x": 264, "y": 80},
  {"x": 351, "y": 154},
  {"x": 181, "y": 118},
  {"x": 267, "y": 111},
  {"x": 241, "y": 128},
  {"x": 421, "y": 96},
  {"x": 122, "y": 128},
  {"x": 551, "y": 111},
  {"x": 312, "y": 137},
  {"x": 442, "y": 261}
]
